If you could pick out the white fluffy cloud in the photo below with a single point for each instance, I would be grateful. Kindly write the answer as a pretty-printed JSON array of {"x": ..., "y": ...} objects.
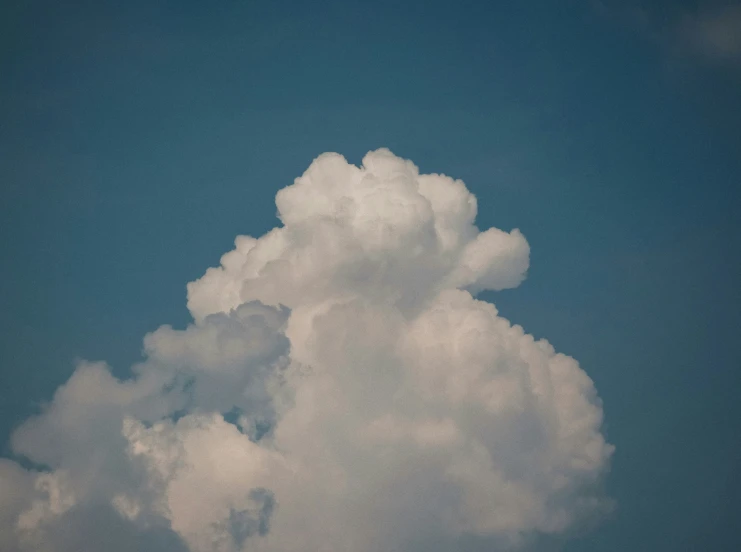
[{"x": 340, "y": 389}]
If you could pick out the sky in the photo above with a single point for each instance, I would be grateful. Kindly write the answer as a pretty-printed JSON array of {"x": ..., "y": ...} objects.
[{"x": 138, "y": 140}]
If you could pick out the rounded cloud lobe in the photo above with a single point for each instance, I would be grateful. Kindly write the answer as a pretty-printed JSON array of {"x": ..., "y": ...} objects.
[{"x": 340, "y": 389}]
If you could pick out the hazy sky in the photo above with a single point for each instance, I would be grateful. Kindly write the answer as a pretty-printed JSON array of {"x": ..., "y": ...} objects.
[{"x": 136, "y": 142}]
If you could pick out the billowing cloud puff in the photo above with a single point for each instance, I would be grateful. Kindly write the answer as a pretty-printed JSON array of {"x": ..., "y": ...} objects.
[
  {"x": 383, "y": 232},
  {"x": 340, "y": 389}
]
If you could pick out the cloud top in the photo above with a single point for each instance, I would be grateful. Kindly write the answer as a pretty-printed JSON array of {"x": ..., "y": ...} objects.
[{"x": 381, "y": 231}]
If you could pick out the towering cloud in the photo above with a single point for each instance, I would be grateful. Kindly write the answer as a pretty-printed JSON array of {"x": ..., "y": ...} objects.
[{"x": 340, "y": 389}]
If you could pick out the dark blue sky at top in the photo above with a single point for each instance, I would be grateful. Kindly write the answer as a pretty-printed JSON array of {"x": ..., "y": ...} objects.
[{"x": 137, "y": 140}]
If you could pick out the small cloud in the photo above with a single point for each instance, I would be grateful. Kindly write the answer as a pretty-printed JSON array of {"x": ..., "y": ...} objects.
[
  {"x": 713, "y": 35},
  {"x": 708, "y": 34}
]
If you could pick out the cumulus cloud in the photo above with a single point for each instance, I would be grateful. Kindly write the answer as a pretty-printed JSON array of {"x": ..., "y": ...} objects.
[{"x": 340, "y": 389}]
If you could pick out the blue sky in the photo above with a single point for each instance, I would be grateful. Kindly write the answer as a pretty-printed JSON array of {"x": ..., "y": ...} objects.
[{"x": 136, "y": 142}]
